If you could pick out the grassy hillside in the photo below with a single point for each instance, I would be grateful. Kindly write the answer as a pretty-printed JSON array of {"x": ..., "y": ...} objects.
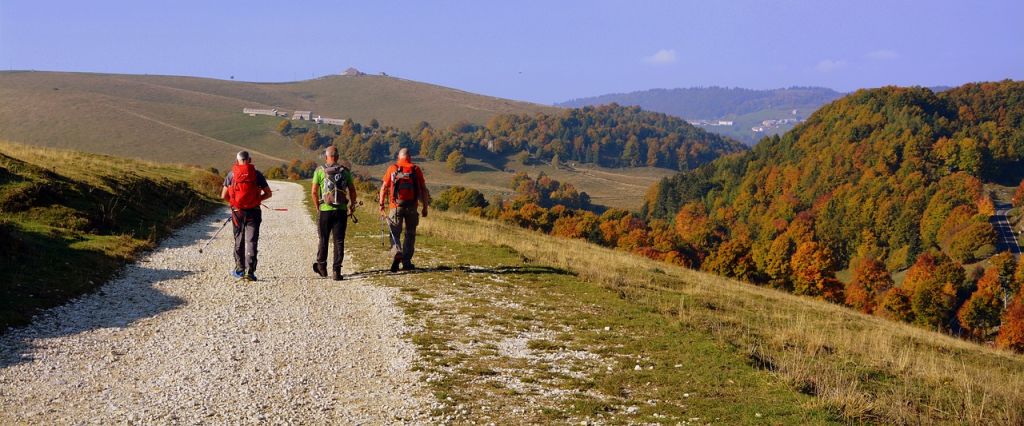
[
  {"x": 618, "y": 188},
  {"x": 69, "y": 220},
  {"x": 886, "y": 179},
  {"x": 518, "y": 327},
  {"x": 199, "y": 121}
]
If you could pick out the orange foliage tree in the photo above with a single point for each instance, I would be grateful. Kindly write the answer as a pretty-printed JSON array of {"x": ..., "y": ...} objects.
[
  {"x": 895, "y": 305},
  {"x": 870, "y": 281},
  {"x": 980, "y": 313},
  {"x": 1018, "y": 195},
  {"x": 814, "y": 272},
  {"x": 936, "y": 285},
  {"x": 732, "y": 259},
  {"x": 1011, "y": 332}
]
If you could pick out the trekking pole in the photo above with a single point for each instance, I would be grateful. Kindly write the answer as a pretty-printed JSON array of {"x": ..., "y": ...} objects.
[
  {"x": 354, "y": 218},
  {"x": 276, "y": 210},
  {"x": 215, "y": 234}
]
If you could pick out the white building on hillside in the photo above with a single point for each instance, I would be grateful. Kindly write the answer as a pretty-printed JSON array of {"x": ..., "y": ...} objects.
[
  {"x": 325, "y": 120},
  {"x": 261, "y": 111},
  {"x": 302, "y": 115}
]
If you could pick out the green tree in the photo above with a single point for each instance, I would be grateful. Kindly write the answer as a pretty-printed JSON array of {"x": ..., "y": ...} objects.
[
  {"x": 284, "y": 127},
  {"x": 456, "y": 162}
]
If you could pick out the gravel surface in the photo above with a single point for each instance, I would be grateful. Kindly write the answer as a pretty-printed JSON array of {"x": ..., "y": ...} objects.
[{"x": 175, "y": 339}]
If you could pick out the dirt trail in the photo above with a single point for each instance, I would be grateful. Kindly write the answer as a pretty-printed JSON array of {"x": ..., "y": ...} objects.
[{"x": 175, "y": 339}]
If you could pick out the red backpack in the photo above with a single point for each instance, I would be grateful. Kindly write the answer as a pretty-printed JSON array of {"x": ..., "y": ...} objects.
[
  {"x": 404, "y": 189},
  {"x": 244, "y": 193}
]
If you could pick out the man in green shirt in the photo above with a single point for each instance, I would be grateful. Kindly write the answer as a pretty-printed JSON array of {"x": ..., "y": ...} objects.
[{"x": 334, "y": 193}]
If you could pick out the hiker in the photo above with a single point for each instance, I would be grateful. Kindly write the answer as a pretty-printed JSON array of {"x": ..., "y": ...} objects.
[
  {"x": 333, "y": 191},
  {"x": 245, "y": 188},
  {"x": 403, "y": 187}
]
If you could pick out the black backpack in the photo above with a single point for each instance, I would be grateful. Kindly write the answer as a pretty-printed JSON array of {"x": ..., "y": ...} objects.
[{"x": 335, "y": 191}]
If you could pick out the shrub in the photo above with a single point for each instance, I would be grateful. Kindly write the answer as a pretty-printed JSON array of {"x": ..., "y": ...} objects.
[{"x": 459, "y": 199}]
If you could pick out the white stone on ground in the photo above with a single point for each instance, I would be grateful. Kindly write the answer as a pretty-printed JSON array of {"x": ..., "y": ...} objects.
[{"x": 175, "y": 339}]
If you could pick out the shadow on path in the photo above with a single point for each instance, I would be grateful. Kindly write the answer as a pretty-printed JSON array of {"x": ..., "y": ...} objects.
[
  {"x": 469, "y": 269},
  {"x": 115, "y": 306}
]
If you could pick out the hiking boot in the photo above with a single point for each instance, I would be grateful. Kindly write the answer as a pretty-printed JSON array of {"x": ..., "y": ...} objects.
[
  {"x": 394, "y": 265},
  {"x": 337, "y": 275},
  {"x": 408, "y": 266},
  {"x": 250, "y": 277},
  {"x": 320, "y": 269},
  {"x": 237, "y": 273}
]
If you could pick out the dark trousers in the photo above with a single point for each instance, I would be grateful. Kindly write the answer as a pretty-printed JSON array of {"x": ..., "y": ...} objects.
[
  {"x": 333, "y": 221},
  {"x": 409, "y": 218},
  {"x": 247, "y": 237}
]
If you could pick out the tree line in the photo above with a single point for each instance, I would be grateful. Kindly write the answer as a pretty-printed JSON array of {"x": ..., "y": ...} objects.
[{"x": 610, "y": 136}]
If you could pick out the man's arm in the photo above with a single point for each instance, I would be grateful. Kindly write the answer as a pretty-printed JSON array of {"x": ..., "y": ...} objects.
[
  {"x": 385, "y": 183},
  {"x": 225, "y": 192},
  {"x": 264, "y": 186},
  {"x": 424, "y": 193},
  {"x": 314, "y": 192},
  {"x": 351, "y": 197}
]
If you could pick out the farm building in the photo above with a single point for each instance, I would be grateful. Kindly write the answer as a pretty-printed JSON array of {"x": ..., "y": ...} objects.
[
  {"x": 302, "y": 115},
  {"x": 260, "y": 111},
  {"x": 334, "y": 121}
]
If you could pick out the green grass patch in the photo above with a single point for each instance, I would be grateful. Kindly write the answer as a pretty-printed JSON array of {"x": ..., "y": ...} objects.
[
  {"x": 68, "y": 229},
  {"x": 504, "y": 340}
]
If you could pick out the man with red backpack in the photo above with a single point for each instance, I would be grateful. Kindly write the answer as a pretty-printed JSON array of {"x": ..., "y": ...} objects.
[
  {"x": 403, "y": 187},
  {"x": 245, "y": 188}
]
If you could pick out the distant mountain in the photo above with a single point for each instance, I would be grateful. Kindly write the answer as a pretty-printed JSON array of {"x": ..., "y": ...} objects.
[{"x": 733, "y": 112}]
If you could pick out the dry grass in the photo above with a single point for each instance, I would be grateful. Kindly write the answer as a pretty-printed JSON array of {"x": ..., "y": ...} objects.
[
  {"x": 619, "y": 188},
  {"x": 199, "y": 121},
  {"x": 864, "y": 368}
]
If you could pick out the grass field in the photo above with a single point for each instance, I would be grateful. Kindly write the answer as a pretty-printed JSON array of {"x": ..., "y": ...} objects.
[
  {"x": 70, "y": 220},
  {"x": 618, "y": 188},
  {"x": 199, "y": 121},
  {"x": 507, "y": 339},
  {"x": 861, "y": 367},
  {"x": 515, "y": 327}
]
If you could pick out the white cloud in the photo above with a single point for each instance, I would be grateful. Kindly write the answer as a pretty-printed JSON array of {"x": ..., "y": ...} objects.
[
  {"x": 663, "y": 56},
  {"x": 829, "y": 65},
  {"x": 882, "y": 54}
]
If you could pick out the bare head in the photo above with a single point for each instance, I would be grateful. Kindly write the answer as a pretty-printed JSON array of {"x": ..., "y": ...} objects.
[
  {"x": 331, "y": 155},
  {"x": 403, "y": 153},
  {"x": 243, "y": 157}
]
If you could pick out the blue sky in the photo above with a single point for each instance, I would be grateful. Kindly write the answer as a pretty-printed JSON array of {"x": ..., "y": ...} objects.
[{"x": 540, "y": 51}]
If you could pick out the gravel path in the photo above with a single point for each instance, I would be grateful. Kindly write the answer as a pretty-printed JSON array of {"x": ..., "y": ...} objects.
[{"x": 174, "y": 339}]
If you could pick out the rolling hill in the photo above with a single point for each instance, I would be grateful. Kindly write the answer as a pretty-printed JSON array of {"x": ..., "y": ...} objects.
[
  {"x": 199, "y": 120},
  {"x": 892, "y": 178},
  {"x": 745, "y": 108}
]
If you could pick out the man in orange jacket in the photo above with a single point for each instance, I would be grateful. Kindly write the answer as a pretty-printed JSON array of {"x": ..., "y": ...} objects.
[{"x": 403, "y": 187}]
